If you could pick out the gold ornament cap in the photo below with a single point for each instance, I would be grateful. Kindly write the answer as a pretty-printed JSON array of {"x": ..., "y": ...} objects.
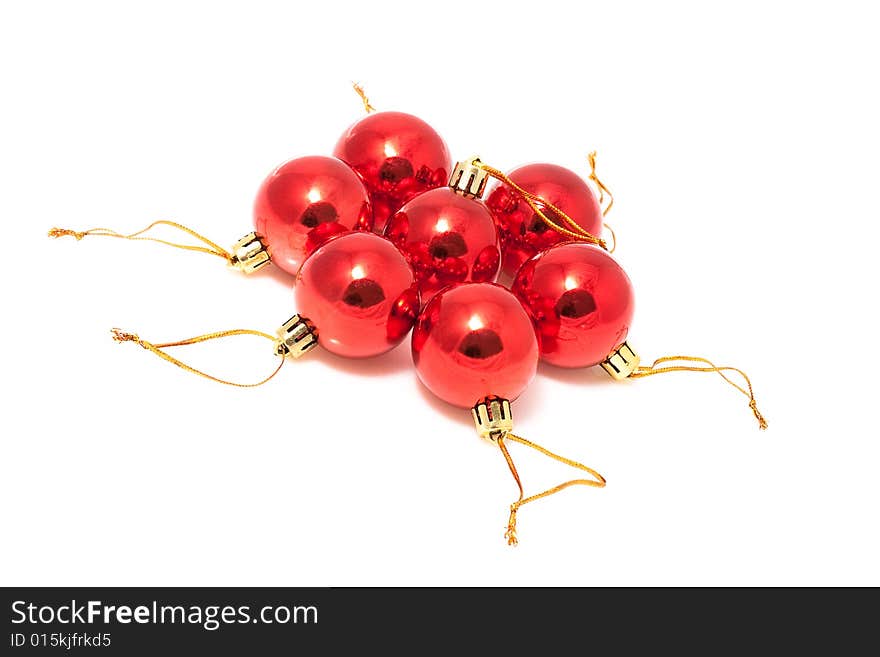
[
  {"x": 492, "y": 418},
  {"x": 469, "y": 178},
  {"x": 622, "y": 362},
  {"x": 296, "y": 337},
  {"x": 249, "y": 254}
]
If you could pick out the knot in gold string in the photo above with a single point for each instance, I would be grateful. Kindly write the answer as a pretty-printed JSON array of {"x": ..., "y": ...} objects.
[
  {"x": 66, "y": 232},
  {"x": 359, "y": 90}
]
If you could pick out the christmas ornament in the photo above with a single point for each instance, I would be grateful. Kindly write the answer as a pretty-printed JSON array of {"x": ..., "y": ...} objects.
[
  {"x": 298, "y": 207},
  {"x": 304, "y": 202},
  {"x": 361, "y": 293},
  {"x": 474, "y": 340},
  {"x": 474, "y": 347},
  {"x": 525, "y": 232},
  {"x": 581, "y": 303},
  {"x": 356, "y": 297},
  {"x": 447, "y": 234},
  {"x": 397, "y": 156}
]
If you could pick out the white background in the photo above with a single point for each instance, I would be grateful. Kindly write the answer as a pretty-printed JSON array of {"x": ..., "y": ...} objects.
[{"x": 742, "y": 146}]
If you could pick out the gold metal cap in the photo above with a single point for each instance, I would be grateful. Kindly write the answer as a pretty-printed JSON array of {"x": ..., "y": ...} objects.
[
  {"x": 492, "y": 418},
  {"x": 469, "y": 178},
  {"x": 622, "y": 362},
  {"x": 249, "y": 254},
  {"x": 296, "y": 337}
]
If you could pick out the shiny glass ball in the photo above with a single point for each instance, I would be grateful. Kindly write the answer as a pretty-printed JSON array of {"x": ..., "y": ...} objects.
[
  {"x": 359, "y": 292},
  {"x": 397, "y": 155},
  {"x": 473, "y": 340},
  {"x": 447, "y": 238},
  {"x": 580, "y": 300},
  {"x": 305, "y": 201}
]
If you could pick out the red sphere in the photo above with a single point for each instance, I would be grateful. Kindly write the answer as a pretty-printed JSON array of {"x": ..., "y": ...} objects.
[
  {"x": 303, "y": 203},
  {"x": 474, "y": 340},
  {"x": 359, "y": 292},
  {"x": 580, "y": 300},
  {"x": 398, "y": 156},
  {"x": 523, "y": 233},
  {"x": 447, "y": 239}
]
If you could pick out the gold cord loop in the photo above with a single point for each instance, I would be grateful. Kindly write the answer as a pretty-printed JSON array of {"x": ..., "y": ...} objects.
[
  {"x": 603, "y": 190},
  {"x": 597, "y": 482},
  {"x": 123, "y": 336},
  {"x": 359, "y": 90},
  {"x": 210, "y": 248},
  {"x": 654, "y": 368},
  {"x": 573, "y": 229}
]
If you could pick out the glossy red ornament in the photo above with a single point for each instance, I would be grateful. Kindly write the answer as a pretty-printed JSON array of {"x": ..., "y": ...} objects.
[
  {"x": 523, "y": 233},
  {"x": 580, "y": 300},
  {"x": 447, "y": 238},
  {"x": 304, "y": 202},
  {"x": 474, "y": 340},
  {"x": 398, "y": 156},
  {"x": 360, "y": 294}
]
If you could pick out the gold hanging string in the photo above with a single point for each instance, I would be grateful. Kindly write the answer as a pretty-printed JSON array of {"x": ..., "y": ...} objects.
[
  {"x": 359, "y": 90},
  {"x": 573, "y": 229},
  {"x": 709, "y": 367},
  {"x": 598, "y": 482},
  {"x": 122, "y": 336},
  {"x": 211, "y": 247},
  {"x": 603, "y": 190},
  {"x": 613, "y": 238}
]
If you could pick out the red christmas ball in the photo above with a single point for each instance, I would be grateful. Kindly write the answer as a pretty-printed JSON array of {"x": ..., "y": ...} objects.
[
  {"x": 474, "y": 340},
  {"x": 360, "y": 293},
  {"x": 580, "y": 300},
  {"x": 304, "y": 202},
  {"x": 398, "y": 156},
  {"x": 447, "y": 238},
  {"x": 523, "y": 233}
]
